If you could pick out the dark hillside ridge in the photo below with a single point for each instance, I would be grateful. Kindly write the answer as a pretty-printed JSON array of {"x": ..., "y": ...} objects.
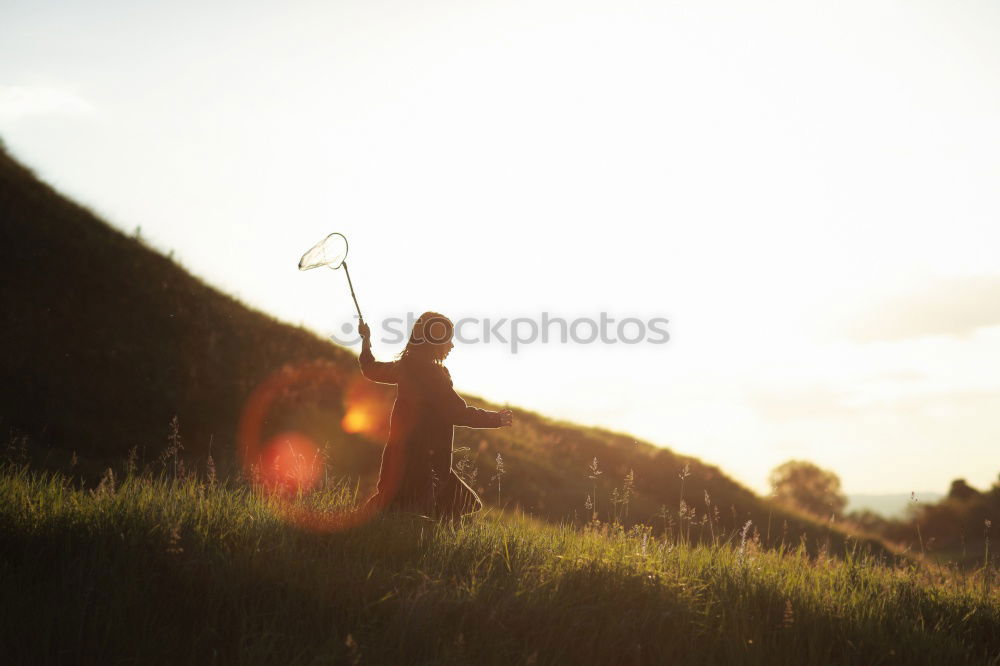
[{"x": 106, "y": 341}]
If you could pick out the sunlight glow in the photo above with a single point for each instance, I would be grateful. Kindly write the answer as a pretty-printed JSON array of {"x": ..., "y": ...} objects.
[
  {"x": 770, "y": 177},
  {"x": 357, "y": 419},
  {"x": 366, "y": 409}
]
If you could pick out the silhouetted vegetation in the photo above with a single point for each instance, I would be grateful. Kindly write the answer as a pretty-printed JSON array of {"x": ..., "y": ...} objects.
[
  {"x": 956, "y": 529},
  {"x": 806, "y": 486}
]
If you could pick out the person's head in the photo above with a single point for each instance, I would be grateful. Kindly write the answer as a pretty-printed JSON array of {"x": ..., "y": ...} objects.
[{"x": 430, "y": 339}]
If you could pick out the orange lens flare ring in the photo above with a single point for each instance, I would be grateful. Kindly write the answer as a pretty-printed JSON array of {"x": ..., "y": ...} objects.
[{"x": 290, "y": 463}]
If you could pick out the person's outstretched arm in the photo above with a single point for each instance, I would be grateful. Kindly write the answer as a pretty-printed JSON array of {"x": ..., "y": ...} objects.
[
  {"x": 450, "y": 404},
  {"x": 377, "y": 371}
]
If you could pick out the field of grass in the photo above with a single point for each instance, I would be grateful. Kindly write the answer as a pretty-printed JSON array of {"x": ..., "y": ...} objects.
[{"x": 158, "y": 570}]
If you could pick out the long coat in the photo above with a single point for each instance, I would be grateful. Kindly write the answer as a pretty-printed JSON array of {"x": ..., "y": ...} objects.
[{"x": 416, "y": 473}]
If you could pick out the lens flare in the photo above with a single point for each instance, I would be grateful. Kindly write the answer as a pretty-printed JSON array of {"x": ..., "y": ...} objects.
[
  {"x": 290, "y": 463},
  {"x": 357, "y": 419},
  {"x": 302, "y": 382},
  {"x": 366, "y": 409}
]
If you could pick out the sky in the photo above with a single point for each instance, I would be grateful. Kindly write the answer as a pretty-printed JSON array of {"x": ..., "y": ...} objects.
[{"x": 805, "y": 191}]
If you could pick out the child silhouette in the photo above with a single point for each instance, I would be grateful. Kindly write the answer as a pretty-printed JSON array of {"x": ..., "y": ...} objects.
[{"x": 416, "y": 473}]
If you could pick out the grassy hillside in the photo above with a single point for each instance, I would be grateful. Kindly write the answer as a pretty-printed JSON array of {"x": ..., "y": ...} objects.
[
  {"x": 111, "y": 348},
  {"x": 107, "y": 340},
  {"x": 149, "y": 570}
]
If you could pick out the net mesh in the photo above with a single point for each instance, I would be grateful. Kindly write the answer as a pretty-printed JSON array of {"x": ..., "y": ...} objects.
[{"x": 331, "y": 251}]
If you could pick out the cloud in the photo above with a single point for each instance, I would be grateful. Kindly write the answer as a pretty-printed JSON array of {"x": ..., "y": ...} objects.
[
  {"x": 952, "y": 307},
  {"x": 803, "y": 403},
  {"x": 899, "y": 376},
  {"x": 18, "y": 102},
  {"x": 969, "y": 401},
  {"x": 818, "y": 403}
]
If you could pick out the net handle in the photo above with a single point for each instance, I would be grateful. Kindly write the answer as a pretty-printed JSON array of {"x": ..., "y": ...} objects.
[{"x": 361, "y": 319}]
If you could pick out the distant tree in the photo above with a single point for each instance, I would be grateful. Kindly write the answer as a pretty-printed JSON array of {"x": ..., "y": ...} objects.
[
  {"x": 808, "y": 487},
  {"x": 961, "y": 490}
]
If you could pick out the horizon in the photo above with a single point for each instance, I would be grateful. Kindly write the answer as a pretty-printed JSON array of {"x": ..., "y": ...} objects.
[{"x": 838, "y": 302}]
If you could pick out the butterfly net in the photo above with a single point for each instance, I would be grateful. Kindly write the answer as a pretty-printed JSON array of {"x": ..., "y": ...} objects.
[{"x": 331, "y": 251}]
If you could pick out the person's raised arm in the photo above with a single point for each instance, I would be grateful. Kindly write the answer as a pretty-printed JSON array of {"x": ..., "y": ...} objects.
[
  {"x": 377, "y": 371},
  {"x": 441, "y": 394}
]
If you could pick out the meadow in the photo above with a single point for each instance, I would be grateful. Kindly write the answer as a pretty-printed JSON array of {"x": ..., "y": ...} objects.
[
  {"x": 155, "y": 568},
  {"x": 595, "y": 547}
]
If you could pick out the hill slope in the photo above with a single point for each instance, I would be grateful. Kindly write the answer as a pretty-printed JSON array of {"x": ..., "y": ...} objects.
[{"x": 107, "y": 341}]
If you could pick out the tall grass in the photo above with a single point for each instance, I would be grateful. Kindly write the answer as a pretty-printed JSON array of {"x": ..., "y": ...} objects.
[{"x": 161, "y": 570}]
